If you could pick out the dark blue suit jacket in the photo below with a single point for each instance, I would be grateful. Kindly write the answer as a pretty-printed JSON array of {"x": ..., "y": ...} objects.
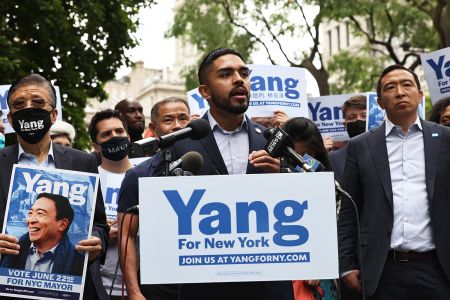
[
  {"x": 337, "y": 160},
  {"x": 368, "y": 180},
  {"x": 66, "y": 260},
  {"x": 213, "y": 164}
]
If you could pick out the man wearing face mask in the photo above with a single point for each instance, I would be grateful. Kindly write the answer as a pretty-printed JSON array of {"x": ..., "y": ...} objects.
[
  {"x": 108, "y": 132},
  {"x": 355, "y": 110},
  {"x": 32, "y": 111},
  {"x": 2, "y": 131}
]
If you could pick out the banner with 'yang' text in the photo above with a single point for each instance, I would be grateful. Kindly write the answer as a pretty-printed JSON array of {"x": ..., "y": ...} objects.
[{"x": 238, "y": 228}]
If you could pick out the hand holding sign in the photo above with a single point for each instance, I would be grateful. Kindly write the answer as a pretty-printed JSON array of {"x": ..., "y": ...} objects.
[
  {"x": 93, "y": 246},
  {"x": 9, "y": 244}
]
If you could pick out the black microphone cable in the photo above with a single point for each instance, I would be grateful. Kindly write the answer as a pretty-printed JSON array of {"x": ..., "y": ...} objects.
[{"x": 132, "y": 210}]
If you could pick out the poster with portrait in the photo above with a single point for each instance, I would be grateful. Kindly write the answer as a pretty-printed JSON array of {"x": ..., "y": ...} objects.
[
  {"x": 49, "y": 211},
  {"x": 5, "y": 109}
]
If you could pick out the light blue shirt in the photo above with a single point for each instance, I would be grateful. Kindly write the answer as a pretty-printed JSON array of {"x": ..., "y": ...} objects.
[
  {"x": 412, "y": 224},
  {"x": 31, "y": 160},
  {"x": 233, "y": 145},
  {"x": 41, "y": 263}
]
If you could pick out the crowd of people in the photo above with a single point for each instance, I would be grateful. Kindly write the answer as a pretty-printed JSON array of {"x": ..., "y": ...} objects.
[{"x": 397, "y": 175}]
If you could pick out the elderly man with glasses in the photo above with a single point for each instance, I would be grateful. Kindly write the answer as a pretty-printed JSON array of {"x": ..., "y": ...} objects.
[{"x": 32, "y": 111}]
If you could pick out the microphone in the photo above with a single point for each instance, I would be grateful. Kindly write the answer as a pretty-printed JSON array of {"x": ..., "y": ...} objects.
[
  {"x": 279, "y": 143},
  {"x": 196, "y": 130},
  {"x": 190, "y": 162},
  {"x": 315, "y": 164}
]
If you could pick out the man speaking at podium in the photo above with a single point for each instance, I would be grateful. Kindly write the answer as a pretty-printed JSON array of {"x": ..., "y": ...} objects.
[{"x": 233, "y": 146}]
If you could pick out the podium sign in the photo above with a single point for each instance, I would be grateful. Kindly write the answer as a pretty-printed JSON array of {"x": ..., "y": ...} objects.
[{"x": 237, "y": 228}]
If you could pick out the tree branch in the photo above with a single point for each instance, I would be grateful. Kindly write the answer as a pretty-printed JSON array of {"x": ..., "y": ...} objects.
[
  {"x": 227, "y": 9},
  {"x": 275, "y": 38}
]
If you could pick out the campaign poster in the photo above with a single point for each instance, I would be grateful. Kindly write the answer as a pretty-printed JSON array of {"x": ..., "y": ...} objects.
[
  {"x": 264, "y": 227},
  {"x": 4, "y": 106},
  {"x": 326, "y": 113},
  {"x": 48, "y": 226},
  {"x": 376, "y": 115},
  {"x": 271, "y": 88},
  {"x": 436, "y": 67}
]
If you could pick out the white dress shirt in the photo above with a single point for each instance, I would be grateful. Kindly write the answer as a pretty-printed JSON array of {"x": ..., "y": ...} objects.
[
  {"x": 412, "y": 224},
  {"x": 233, "y": 145},
  {"x": 31, "y": 160}
]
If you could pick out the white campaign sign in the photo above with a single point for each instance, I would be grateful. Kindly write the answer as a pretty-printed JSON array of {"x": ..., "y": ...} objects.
[
  {"x": 326, "y": 113},
  {"x": 436, "y": 66},
  {"x": 264, "y": 227},
  {"x": 271, "y": 88}
]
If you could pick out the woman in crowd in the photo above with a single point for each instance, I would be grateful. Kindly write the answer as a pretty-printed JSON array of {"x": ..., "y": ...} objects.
[{"x": 307, "y": 140}]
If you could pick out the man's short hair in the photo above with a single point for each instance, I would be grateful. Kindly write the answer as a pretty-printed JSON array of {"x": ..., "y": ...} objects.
[
  {"x": 154, "y": 114},
  {"x": 392, "y": 68},
  {"x": 33, "y": 79},
  {"x": 210, "y": 58},
  {"x": 358, "y": 102},
  {"x": 438, "y": 108},
  {"x": 63, "y": 208},
  {"x": 103, "y": 115}
]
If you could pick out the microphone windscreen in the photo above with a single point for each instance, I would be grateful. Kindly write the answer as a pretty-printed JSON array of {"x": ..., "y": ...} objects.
[
  {"x": 200, "y": 129},
  {"x": 192, "y": 161},
  {"x": 268, "y": 133}
]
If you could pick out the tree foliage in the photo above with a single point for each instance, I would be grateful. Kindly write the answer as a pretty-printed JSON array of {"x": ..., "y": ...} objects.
[
  {"x": 393, "y": 31},
  {"x": 203, "y": 23},
  {"x": 248, "y": 25},
  {"x": 79, "y": 45}
]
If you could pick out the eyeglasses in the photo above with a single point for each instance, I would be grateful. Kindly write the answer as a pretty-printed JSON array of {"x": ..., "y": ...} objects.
[{"x": 36, "y": 103}]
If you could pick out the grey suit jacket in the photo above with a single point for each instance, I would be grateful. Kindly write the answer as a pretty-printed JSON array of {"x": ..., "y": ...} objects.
[{"x": 368, "y": 180}]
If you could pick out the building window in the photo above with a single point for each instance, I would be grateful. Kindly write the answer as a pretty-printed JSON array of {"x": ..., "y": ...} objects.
[
  {"x": 330, "y": 45},
  {"x": 347, "y": 29},
  {"x": 338, "y": 34}
]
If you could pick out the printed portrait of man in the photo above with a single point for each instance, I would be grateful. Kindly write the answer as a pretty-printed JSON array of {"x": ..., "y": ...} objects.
[{"x": 46, "y": 247}]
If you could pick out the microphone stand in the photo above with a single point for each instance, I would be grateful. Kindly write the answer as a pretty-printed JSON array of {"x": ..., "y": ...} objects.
[{"x": 167, "y": 159}]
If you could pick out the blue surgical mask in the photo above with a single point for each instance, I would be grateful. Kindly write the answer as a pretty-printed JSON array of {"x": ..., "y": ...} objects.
[{"x": 2, "y": 140}]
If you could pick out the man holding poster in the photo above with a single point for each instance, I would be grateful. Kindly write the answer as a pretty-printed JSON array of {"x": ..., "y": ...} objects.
[
  {"x": 46, "y": 247},
  {"x": 32, "y": 104},
  {"x": 233, "y": 146}
]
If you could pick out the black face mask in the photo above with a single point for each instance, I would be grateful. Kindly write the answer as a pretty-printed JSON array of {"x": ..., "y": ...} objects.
[
  {"x": 116, "y": 148},
  {"x": 31, "y": 124},
  {"x": 356, "y": 128}
]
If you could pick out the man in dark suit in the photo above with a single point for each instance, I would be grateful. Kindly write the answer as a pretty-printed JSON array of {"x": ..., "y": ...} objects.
[
  {"x": 167, "y": 116},
  {"x": 398, "y": 176},
  {"x": 354, "y": 110},
  {"x": 233, "y": 146},
  {"x": 32, "y": 104}
]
